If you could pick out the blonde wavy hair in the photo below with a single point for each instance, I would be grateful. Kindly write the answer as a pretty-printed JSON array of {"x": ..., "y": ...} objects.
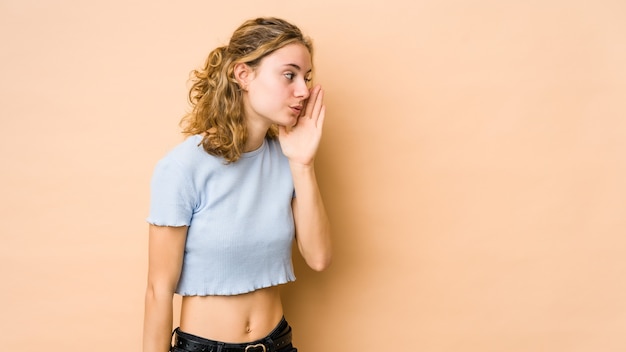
[{"x": 215, "y": 96}]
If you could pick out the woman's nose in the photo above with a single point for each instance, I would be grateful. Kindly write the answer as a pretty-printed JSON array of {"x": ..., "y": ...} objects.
[{"x": 302, "y": 89}]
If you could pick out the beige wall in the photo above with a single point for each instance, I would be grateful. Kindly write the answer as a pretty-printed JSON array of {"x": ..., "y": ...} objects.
[{"x": 473, "y": 164}]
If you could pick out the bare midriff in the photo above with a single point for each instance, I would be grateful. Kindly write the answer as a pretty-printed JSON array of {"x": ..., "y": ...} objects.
[{"x": 240, "y": 318}]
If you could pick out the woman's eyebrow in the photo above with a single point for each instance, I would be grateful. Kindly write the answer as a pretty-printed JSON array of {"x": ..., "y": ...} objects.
[{"x": 296, "y": 67}]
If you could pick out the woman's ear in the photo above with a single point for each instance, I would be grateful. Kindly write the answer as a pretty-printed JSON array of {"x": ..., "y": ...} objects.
[{"x": 243, "y": 74}]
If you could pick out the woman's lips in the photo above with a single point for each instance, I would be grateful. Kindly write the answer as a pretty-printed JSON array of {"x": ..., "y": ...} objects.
[{"x": 296, "y": 109}]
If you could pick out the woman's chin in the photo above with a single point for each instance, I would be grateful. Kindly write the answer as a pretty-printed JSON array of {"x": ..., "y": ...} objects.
[{"x": 288, "y": 123}]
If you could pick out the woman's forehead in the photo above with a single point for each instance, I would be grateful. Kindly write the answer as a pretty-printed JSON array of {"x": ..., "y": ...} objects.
[{"x": 294, "y": 55}]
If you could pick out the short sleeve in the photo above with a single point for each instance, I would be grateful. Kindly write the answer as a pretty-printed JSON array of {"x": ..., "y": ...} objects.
[{"x": 172, "y": 199}]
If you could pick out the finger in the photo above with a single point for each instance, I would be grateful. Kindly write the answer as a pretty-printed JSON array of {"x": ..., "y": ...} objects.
[
  {"x": 322, "y": 115},
  {"x": 311, "y": 100},
  {"x": 317, "y": 106}
]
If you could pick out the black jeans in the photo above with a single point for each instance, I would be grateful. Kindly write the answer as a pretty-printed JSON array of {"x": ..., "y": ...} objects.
[{"x": 279, "y": 340}]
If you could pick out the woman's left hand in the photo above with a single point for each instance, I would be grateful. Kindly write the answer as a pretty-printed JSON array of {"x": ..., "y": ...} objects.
[{"x": 300, "y": 142}]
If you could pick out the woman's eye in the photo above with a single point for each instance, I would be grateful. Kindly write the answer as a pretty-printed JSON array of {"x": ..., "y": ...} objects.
[{"x": 289, "y": 75}]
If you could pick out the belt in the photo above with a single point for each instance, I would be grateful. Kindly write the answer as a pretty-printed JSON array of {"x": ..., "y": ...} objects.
[{"x": 192, "y": 343}]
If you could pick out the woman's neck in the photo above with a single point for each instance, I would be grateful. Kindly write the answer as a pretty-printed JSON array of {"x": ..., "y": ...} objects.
[{"x": 256, "y": 135}]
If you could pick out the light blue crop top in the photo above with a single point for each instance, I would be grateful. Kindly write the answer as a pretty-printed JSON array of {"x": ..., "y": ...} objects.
[{"x": 241, "y": 227}]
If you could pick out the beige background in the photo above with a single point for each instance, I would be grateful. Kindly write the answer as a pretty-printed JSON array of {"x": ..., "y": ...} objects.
[{"x": 473, "y": 165}]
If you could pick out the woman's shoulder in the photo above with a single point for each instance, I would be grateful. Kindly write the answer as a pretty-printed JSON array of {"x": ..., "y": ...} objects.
[{"x": 189, "y": 154}]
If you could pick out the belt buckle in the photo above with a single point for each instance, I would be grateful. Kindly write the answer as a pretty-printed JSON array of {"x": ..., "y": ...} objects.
[{"x": 250, "y": 347}]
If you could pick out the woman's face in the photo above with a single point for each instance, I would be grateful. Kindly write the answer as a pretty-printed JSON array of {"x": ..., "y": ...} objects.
[{"x": 278, "y": 87}]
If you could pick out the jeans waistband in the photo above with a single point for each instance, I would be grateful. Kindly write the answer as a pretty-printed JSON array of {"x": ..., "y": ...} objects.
[{"x": 277, "y": 339}]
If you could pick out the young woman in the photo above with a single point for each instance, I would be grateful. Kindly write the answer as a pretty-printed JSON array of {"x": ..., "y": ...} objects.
[{"x": 227, "y": 203}]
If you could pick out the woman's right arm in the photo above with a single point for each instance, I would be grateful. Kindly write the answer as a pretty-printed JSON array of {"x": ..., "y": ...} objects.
[{"x": 165, "y": 258}]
